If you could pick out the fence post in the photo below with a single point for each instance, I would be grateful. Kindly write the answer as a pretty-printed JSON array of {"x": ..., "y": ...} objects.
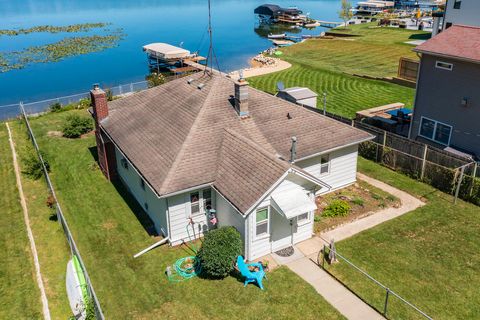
[
  {"x": 474, "y": 176},
  {"x": 424, "y": 162},
  {"x": 323, "y": 257},
  {"x": 387, "y": 294},
  {"x": 459, "y": 184}
]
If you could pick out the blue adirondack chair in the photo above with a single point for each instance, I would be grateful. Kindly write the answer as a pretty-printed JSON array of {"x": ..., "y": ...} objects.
[{"x": 251, "y": 276}]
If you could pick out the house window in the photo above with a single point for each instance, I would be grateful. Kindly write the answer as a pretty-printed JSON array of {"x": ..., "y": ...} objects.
[
  {"x": 142, "y": 183},
  {"x": 457, "y": 4},
  {"x": 207, "y": 199},
  {"x": 303, "y": 218},
  {"x": 124, "y": 163},
  {"x": 444, "y": 65},
  {"x": 436, "y": 131},
  {"x": 262, "y": 222},
  {"x": 195, "y": 202},
  {"x": 324, "y": 164}
]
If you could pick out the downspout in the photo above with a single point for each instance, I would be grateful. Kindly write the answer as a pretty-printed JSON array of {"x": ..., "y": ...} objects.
[{"x": 416, "y": 95}]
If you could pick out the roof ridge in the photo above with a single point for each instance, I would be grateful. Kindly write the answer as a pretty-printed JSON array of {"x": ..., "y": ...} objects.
[
  {"x": 257, "y": 147},
  {"x": 185, "y": 144}
]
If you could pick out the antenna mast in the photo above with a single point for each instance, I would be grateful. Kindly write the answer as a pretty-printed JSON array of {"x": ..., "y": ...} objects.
[{"x": 210, "y": 47}]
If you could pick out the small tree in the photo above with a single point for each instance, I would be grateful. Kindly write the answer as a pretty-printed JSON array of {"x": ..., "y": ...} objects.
[
  {"x": 219, "y": 250},
  {"x": 345, "y": 12},
  {"x": 76, "y": 126}
]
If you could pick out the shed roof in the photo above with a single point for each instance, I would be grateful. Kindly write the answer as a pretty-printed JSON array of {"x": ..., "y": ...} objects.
[
  {"x": 299, "y": 93},
  {"x": 457, "y": 42},
  {"x": 174, "y": 134}
]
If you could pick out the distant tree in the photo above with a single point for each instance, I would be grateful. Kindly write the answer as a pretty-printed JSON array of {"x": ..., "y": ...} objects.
[{"x": 345, "y": 12}]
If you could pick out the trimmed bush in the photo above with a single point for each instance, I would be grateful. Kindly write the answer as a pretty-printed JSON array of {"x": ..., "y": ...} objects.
[
  {"x": 55, "y": 107},
  {"x": 219, "y": 250},
  {"x": 337, "y": 208},
  {"x": 76, "y": 126},
  {"x": 32, "y": 167}
]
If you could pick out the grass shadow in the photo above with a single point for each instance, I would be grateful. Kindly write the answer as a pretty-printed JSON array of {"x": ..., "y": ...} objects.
[
  {"x": 132, "y": 203},
  {"x": 420, "y": 36}
]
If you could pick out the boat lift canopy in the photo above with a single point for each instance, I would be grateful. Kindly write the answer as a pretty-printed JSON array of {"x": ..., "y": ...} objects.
[{"x": 165, "y": 51}]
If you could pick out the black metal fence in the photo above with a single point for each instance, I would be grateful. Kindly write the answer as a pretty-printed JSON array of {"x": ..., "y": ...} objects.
[
  {"x": 63, "y": 222},
  {"x": 391, "y": 304}
]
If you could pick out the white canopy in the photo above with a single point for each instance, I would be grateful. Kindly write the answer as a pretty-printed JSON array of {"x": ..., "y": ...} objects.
[
  {"x": 165, "y": 51},
  {"x": 292, "y": 202}
]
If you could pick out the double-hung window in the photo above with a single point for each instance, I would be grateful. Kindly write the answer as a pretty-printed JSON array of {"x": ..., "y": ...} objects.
[
  {"x": 261, "y": 228},
  {"x": 195, "y": 203},
  {"x": 201, "y": 202},
  {"x": 436, "y": 131},
  {"x": 457, "y": 4},
  {"x": 324, "y": 164}
]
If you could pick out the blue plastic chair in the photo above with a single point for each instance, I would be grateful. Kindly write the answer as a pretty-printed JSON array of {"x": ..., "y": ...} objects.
[{"x": 251, "y": 276}]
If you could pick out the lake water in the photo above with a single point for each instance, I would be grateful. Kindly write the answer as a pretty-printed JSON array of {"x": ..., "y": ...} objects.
[{"x": 237, "y": 37}]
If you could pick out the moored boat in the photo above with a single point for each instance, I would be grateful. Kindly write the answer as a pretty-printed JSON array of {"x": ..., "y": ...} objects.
[{"x": 277, "y": 36}]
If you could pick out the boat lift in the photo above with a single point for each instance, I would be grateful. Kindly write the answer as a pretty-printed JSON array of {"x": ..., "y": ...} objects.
[{"x": 175, "y": 59}]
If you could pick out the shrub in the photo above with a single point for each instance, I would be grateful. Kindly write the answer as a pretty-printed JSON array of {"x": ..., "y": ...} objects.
[
  {"x": 55, "y": 107},
  {"x": 337, "y": 208},
  {"x": 358, "y": 201},
  {"x": 32, "y": 167},
  {"x": 317, "y": 218},
  {"x": 219, "y": 250},
  {"x": 76, "y": 126},
  {"x": 155, "y": 79}
]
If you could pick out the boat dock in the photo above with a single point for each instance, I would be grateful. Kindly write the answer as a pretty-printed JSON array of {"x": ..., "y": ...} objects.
[
  {"x": 174, "y": 59},
  {"x": 329, "y": 24}
]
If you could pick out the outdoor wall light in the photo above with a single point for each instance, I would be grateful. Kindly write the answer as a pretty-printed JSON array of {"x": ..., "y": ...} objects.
[{"x": 465, "y": 102}]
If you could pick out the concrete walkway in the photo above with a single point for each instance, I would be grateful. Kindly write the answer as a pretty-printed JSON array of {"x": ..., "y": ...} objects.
[
  {"x": 334, "y": 292},
  {"x": 328, "y": 287},
  {"x": 408, "y": 203}
]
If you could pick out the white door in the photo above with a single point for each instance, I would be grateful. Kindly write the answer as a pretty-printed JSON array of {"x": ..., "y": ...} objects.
[{"x": 281, "y": 231}]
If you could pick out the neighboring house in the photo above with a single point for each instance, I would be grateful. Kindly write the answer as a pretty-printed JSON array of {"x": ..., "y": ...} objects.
[
  {"x": 447, "y": 103},
  {"x": 464, "y": 12},
  {"x": 206, "y": 142}
]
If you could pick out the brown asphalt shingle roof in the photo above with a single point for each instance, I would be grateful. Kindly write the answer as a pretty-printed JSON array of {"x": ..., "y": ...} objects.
[
  {"x": 174, "y": 134},
  {"x": 457, "y": 42}
]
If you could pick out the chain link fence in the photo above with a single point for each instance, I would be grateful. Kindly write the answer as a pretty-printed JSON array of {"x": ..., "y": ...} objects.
[
  {"x": 12, "y": 111},
  {"x": 63, "y": 222},
  {"x": 381, "y": 297}
]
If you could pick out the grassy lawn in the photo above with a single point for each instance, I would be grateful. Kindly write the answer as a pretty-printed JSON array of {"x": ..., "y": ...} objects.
[
  {"x": 18, "y": 289},
  {"x": 328, "y": 66},
  {"x": 108, "y": 235},
  {"x": 52, "y": 248},
  {"x": 430, "y": 256}
]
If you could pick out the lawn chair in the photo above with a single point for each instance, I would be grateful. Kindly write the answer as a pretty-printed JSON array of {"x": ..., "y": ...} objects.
[{"x": 251, "y": 276}]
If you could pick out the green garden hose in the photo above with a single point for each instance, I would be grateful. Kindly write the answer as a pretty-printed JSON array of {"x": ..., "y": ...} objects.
[{"x": 184, "y": 269}]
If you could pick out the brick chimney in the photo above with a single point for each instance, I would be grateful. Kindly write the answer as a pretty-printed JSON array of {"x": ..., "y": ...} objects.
[
  {"x": 241, "y": 97},
  {"x": 99, "y": 103},
  {"x": 105, "y": 148}
]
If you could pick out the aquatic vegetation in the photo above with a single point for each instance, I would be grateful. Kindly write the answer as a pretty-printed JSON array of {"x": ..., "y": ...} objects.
[
  {"x": 60, "y": 50},
  {"x": 80, "y": 27}
]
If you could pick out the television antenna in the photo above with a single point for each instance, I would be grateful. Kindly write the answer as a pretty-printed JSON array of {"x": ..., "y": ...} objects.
[{"x": 211, "y": 51}]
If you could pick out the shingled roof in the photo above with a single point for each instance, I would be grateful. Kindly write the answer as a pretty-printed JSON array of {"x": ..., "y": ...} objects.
[
  {"x": 175, "y": 135},
  {"x": 458, "y": 42}
]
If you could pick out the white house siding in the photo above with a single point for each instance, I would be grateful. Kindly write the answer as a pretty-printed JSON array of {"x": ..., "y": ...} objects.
[
  {"x": 227, "y": 215},
  {"x": 156, "y": 206},
  {"x": 179, "y": 211},
  {"x": 343, "y": 167}
]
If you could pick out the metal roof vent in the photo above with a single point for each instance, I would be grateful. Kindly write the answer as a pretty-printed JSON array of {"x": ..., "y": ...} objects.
[
  {"x": 201, "y": 85},
  {"x": 189, "y": 81}
]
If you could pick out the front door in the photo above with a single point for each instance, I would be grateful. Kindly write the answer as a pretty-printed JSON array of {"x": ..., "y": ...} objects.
[{"x": 281, "y": 229}]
